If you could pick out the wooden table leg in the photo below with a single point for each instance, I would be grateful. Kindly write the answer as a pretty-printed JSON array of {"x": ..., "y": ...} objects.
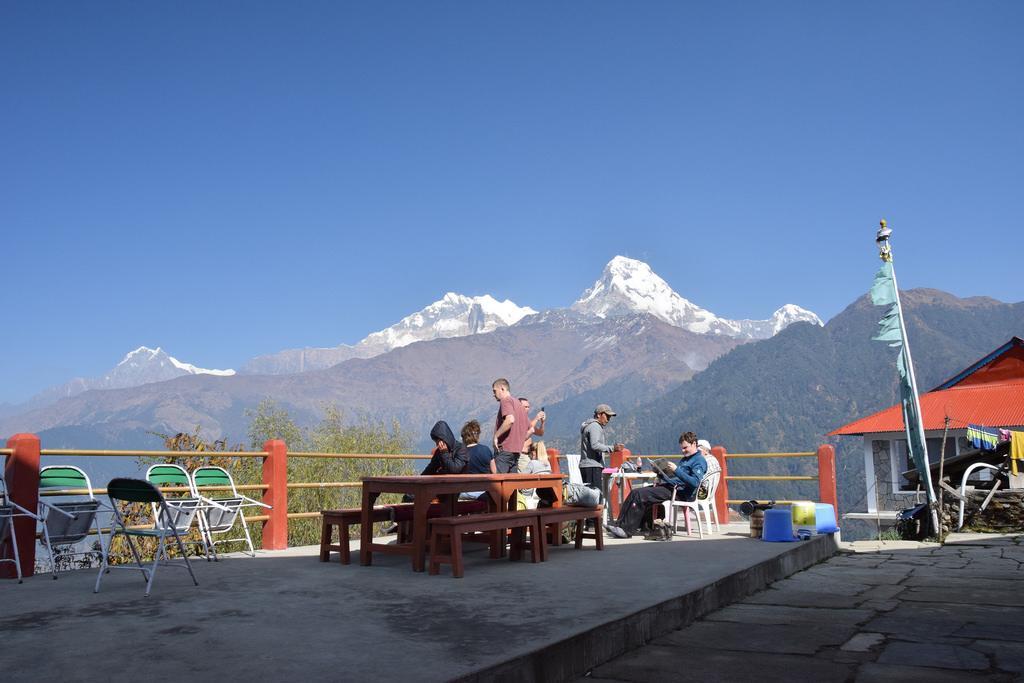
[
  {"x": 421, "y": 507},
  {"x": 366, "y": 526}
]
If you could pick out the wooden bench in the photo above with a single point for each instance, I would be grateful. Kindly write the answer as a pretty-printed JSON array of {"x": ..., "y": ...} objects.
[
  {"x": 400, "y": 512},
  {"x": 454, "y": 527},
  {"x": 552, "y": 518}
]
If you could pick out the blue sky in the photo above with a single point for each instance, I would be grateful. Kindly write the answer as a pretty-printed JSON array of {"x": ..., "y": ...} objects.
[{"x": 229, "y": 179}]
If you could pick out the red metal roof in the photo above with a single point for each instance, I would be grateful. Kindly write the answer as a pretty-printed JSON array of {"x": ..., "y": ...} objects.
[{"x": 999, "y": 404}]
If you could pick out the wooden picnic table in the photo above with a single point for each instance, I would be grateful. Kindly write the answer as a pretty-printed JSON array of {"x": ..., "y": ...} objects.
[{"x": 446, "y": 488}]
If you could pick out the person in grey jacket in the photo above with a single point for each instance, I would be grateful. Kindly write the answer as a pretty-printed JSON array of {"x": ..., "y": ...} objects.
[{"x": 593, "y": 447}]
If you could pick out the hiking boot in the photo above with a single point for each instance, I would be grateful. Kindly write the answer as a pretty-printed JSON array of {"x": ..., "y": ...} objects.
[{"x": 661, "y": 531}]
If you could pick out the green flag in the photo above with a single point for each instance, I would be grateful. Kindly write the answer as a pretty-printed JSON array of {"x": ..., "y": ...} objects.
[{"x": 890, "y": 329}]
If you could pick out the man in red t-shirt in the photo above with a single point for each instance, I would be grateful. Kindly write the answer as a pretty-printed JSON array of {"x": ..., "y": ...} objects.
[{"x": 511, "y": 428}]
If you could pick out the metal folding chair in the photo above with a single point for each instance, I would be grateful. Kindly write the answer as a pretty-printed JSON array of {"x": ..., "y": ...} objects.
[
  {"x": 8, "y": 511},
  {"x": 65, "y": 524},
  {"x": 185, "y": 509},
  {"x": 136, "y": 491},
  {"x": 221, "y": 513}
]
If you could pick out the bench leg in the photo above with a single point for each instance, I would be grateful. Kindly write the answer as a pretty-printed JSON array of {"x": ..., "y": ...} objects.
[
  {"x": 456, "y": 542},
  {"x": 599, "y": 535},
  {"x": 343, "y": 541},
  {"x": 326, "y": 532},
  {"x": 556, "y": 533},
  {"x": 537, "y": 545},
  {"x": 497, "y": 544},
  {"x": 580, "y": 523},
  {"x": 515, "y": 548},
  {"x": 435, "y": 555}
]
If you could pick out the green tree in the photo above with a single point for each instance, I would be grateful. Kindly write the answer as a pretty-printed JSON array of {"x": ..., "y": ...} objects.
[{"x": 330, "y": 435}]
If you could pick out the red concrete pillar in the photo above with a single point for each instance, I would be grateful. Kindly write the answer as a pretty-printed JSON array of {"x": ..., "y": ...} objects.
[
  {"x": 827, "y": 476},
  {"x": 722, "y": 493},
  {"x": 275, "y": 475},
  {"x": 553, "y": 460},
  {"x": 22, "y": 476}
]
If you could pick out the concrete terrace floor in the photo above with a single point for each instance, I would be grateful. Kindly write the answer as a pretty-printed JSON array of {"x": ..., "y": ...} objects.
[
  {"x": 880, "y": 612},
  {"x": 285, "y": 615}
]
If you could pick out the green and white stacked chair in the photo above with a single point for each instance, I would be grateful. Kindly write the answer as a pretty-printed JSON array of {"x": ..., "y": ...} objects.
[
  {"x": 132, "y": 492},
  {"x": 65, "y": 524},
  {"x": 8, "y": 511},
  {"x": 222, "y": 513},
  {"x": 185, "y": 509}
]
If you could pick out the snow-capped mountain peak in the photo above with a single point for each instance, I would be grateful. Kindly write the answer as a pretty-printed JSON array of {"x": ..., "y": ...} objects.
[
  {"x": 629, "y": 286},
  {"x": 791, "y": 313},
  {"x": 454, "y": 315},
  {"x": 144, "y": 359},
  {"x": 141, "y": 366}
]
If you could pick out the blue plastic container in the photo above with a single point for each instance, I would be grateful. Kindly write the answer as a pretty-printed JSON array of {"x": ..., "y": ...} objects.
[
  {"x": 825, "y": 518},
  {"x": 778, "y": 526}
]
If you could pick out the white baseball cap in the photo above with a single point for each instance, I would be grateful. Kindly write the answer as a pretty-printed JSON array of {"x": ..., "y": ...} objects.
[{"x": 704, "y": 443}]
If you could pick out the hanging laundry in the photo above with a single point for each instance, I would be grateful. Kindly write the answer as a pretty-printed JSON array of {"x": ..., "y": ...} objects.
[
  {"x": 985, "y": 438},
  {"x": 1017, "y": 445},
  {"x": 1016, "y": 451}
]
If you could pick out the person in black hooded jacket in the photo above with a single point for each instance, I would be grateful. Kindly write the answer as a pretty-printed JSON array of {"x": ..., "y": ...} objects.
[{"x": 450, "y": 456}]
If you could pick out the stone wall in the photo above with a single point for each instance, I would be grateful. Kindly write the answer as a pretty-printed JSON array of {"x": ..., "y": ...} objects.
[{"x": 1004, "y": 514}]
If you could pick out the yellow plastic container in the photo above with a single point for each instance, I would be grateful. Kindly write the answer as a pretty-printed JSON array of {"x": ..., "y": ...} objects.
[{"x": 803, "y": 515}]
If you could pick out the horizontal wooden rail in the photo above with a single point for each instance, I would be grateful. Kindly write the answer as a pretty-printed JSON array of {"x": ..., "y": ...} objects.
[
  {"x": 808, "y": 454},
  {"x": 219, "y": 454},
  {"x": 326, "y": 485},
  {"x": 733, "y": 477},
  {"x": 6, "y": 451},
  {"x": 164, "y": 489},
  {"x": 355, "y": 456},
  {"x": 151, "y": 454}
]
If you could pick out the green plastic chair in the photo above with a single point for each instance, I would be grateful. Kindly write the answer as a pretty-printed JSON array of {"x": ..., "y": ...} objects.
[
  {"x": 222, "y": 513},
  {"x": 131, "y": 491},
  {"x": 8, "y": 511},
  {"x": 65, "y": 524}
]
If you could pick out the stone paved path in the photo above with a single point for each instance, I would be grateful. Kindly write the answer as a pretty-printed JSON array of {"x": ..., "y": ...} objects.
[{"x": 875, "y": 612}]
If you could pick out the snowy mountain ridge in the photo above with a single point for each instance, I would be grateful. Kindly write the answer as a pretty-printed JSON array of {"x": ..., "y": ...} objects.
[
  {"x": 628, "y": 286},
  {"x": 453, "y": 315}
]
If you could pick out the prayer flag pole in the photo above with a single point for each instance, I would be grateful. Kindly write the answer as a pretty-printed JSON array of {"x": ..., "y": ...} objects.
[{"x": 893, "y": 329}]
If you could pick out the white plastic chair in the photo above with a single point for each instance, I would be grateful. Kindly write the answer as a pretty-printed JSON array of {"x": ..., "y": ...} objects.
[
  {"x": 65, "y": 524},
  {"x": 220, "y": 513},
  {"x": 704, "y": 502},
  {"x": 8, "y": 511},
  {"x": 963, "y": 486},
  {"x": 572, "y": 461}
]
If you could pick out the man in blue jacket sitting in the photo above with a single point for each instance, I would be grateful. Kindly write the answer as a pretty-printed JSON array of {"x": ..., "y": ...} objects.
[{"x": 685, "y": 474}]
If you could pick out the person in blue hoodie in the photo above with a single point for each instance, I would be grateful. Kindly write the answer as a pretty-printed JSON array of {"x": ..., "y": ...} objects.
[{"x": 684, "y": 475}]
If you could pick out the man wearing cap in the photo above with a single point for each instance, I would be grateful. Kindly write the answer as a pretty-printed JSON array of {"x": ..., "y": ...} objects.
[
  {"x": 593, "y": 446},
  {"x": 684, "y": 477}
]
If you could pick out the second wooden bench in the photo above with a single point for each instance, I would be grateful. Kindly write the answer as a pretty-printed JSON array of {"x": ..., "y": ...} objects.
[{"x": 453, "y": 528}]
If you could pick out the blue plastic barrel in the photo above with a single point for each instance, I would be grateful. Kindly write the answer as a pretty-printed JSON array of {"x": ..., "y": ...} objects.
[
  {"x": 778, "y": 525},
  {"x": 825, "y": 518}
]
